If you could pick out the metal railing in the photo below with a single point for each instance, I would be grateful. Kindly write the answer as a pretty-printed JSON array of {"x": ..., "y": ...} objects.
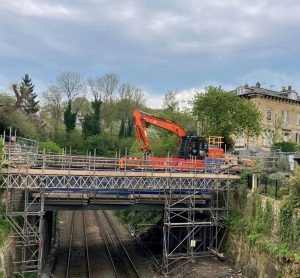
[
  {"x": 95, "y": 163},
  {"x": 275, "y": 188}
]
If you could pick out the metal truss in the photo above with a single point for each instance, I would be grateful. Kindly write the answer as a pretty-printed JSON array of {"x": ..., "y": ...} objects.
[
  {"x": 193, "y": 228},
  {"x": 43, "y": 181}
]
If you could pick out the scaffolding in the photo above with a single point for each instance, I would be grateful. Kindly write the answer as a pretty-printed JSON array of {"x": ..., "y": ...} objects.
[
  {"x": 196, "y": 202},
  {"x": 195, "y": 224},
  {"x": 215, "y": 141}
]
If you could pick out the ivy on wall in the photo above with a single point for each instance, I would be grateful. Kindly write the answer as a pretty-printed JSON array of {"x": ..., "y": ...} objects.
[{"x": 255, "y": 221}]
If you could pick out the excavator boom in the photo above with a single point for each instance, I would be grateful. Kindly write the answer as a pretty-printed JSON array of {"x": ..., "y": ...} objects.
[{"x": 141, "y": 120}]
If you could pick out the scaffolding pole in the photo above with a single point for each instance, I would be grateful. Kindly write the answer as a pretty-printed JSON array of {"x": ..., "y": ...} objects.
[{"x": 193, "y": 227}]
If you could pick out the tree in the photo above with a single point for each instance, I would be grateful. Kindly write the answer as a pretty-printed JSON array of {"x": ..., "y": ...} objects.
[
  {"x": 70, "y": 118},
  {"x": 130, "y": 98},
  {"x": 53, "y": 108},
  {"x": 21, "y": 94},
  {"x": 70, "y": 84},
  {"x": 170, "y": 102},
  {"x": 91, "y": 122},
  {"x": 122, "y": 128},
  {"x": 83, "y": 106},
  {"x": 101, "y": 88},
  {"x": 220, "y": 113},
  {"x": 110, "y": 83},
  {"x": 30, "y": 104}
]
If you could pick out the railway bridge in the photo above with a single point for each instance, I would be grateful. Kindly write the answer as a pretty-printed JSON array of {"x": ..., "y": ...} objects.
[{"x": 195, "y": 202}]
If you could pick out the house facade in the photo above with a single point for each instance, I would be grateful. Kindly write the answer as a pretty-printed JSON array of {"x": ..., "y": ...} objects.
[{"x": 281, "y": 116}]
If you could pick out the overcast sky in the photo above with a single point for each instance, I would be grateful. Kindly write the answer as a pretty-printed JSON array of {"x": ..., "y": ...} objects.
[{"x": 157, "y": 45}]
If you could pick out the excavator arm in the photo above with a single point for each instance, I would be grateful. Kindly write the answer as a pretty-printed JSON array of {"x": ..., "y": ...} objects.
[{"x": 142, "y": 119}]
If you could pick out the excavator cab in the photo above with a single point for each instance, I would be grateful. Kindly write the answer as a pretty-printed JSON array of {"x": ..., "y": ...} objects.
[{"x": 193, "y": 147}]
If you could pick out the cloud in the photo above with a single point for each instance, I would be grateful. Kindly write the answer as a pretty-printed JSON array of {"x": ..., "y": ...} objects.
[
  {"x": 179, "y": 46},
  {"x": 36, "y": 8},
  {"x": 153, "y": 100}
]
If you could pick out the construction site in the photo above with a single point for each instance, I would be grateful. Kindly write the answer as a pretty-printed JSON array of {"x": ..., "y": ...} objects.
[{"x": 195, "y": 205}]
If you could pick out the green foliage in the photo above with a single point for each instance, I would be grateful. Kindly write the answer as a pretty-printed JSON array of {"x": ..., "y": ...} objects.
[
  {"x": 234, "y": 221},
  {"x": 130, "y": 125},
  {"x": 70, "y": 118},
  {"x": 21, "y": 122},
  {"x": 122, "y": 128},
  {"x": 30, "y": 275},
  {"x": 286, "y": 218},
  {"x": 184, "y": 119},
  {"x": 30, "y": 104},
  {"x": 75, "y": 143},
  {"x": 255, "y": 221},
  {"x": 5, "y": 226},
  {"x": 285, "y": 146},
  {"x": 103, "y": 144},
  {"x": 221, "y": 113},
  {"x": 4, "y": 230},
  {"x": 268, "y": 218},
  {"x": 132, "y": 218},
  {"x": 126, "y": 128},
  {"x": 295, "y": 188},
  {"x": 50, "y": 147},
  {"x": 91, "y": 122}
]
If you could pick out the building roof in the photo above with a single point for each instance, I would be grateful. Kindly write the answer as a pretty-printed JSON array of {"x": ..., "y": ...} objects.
[{"x": 253, "y": 91}]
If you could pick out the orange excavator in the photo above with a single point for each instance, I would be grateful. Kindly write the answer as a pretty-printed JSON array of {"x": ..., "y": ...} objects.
[
  {"x": 190, "y": 145},
  {"x": 192, "y": 150}
]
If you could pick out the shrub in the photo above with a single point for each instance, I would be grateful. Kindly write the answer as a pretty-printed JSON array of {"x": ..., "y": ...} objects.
[
  {"x": 50, "y": 146},
  {"x": 285, "y": 146}
]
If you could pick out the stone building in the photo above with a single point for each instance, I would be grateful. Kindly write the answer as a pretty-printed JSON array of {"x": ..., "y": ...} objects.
[{"x": 281, "y": 116}]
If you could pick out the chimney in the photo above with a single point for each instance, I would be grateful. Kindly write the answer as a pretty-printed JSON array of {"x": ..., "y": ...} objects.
[
  {"x": 289, "y": 87},
  {"x": 283, "y": 89},
  {"x": 257, "y": 84}
]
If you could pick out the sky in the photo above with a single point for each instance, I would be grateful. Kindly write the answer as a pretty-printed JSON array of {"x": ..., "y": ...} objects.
[{"x": 157, "y": 45}]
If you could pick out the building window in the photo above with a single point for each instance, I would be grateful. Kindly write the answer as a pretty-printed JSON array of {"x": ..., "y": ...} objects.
[
  {"x": 267, "y": 138},
  {"x": 286, "y": 137},
  {"x": 293, "y": 96},
  {"x": 285, "y": 116},
  {"x": 269, "y": 114},
  {"x": 297, "y": 138},
  {"x": 298, "y": 119},
  {"x": 240, "y": 141}
]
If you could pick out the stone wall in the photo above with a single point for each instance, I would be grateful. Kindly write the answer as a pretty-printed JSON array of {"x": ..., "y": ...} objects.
[
  {"x": 253, "y": 262},
  {"x": 6, "y": 258},
  {"x": 255, "y": 259}
]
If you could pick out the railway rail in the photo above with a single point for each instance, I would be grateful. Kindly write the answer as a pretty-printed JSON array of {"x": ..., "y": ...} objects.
[
  {"x": 78, "y": 256},
  {"x": 121, "y": 261}
]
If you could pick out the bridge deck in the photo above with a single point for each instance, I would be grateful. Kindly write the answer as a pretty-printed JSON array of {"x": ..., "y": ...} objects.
[{"x": 111, "y": 173}]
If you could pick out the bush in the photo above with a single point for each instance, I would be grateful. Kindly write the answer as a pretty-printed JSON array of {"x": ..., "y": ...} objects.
[
  {"x": 103, "y": 144},
  {"x": 285, "y": 146},
  {"x": 50, "y": 146}
]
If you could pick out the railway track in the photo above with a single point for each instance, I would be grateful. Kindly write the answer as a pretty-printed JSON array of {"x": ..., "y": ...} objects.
[
  {"x": 120, "y": 259},
  {"x": 78, "y": 256}
]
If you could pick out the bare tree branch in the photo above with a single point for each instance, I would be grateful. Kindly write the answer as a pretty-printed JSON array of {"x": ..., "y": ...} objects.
[
  {"x": 21, "y": 93},
  {"x": 70, "y": 84}
]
